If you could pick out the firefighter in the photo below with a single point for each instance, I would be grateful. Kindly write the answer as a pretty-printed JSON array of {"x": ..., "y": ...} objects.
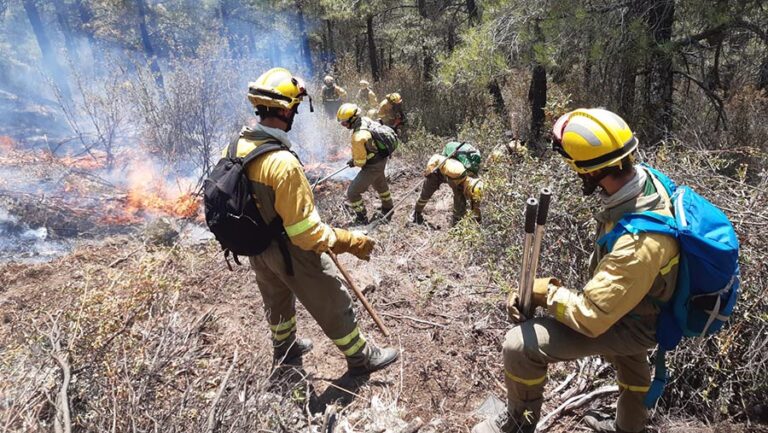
[
  {"x": 465, "y": 185},
  {"x": 332, "y": 95},
  {"x": 391, "y": 111},
  {"x": 366, "y": 99},
  {"x": 614, "y": 314},
  {"x": 298, "y": 269},
  {"x": 370, "y": 159}
]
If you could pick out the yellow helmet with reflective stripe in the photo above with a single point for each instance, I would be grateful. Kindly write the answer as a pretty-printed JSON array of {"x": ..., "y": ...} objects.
[
  {"x": 347, "y": 112},
  {"x": 277, "y": 88},
  {"x": 328, "y": 80},
  {"x": 593, "y": 138},
  {"x": 364, "y": 83},
  {"x": 394, "y": 98},
  {"x": 473, "y": 188}
]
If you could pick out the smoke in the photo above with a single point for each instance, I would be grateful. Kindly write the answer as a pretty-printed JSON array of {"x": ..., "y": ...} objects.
[{"x": 102, "y": 111}]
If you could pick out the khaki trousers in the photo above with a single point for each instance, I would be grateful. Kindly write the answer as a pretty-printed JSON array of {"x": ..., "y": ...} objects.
[
  {"x": 532, "y": 345},
  {"x": 372, "y": 174},
  {"x": 432, "y": 184},
  {"x": 317, "y": 287}
]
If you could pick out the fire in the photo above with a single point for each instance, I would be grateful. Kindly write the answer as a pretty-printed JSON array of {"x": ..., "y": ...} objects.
[
  {"x": 7, "y": 143},
  {"x": 149, "y": 194},
  {"x": 96, "y": 161}
]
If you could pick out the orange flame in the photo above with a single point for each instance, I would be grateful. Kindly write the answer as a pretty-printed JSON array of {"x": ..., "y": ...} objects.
[
  {"x": 7, "y": 143},
  {"x": 148, "y": 194}
]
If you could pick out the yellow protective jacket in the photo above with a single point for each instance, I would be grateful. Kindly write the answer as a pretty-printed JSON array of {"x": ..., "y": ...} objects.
[
  {"x": 628, "y": 282},
  {"x": 452, "y": 171},
  {"x": 390, "y": 114},
  {"x": 335, "y": 93},
  {"x": 363, "y": 147},
  {"x": 280, "y": 188},
  {"x": 366, "y": 98}
]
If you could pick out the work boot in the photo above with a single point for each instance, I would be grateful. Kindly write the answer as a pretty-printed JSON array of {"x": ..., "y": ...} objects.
[
  {"x": 290, "y": 352},
  {"x": 503, "y": 423},
  {"x": 361, "y": 218},
  {"x": 373, "y": 359},
  {"x": 602, "y": 425},
  {"x": 418, "y": 218},
  {"x": 383, "y": 211}
]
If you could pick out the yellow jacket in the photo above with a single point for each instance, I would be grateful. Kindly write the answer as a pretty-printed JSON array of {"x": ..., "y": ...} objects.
[
  {"x": 390, "y": 114},
  {"x": 452, "y": 171},
  {"x": 335, "y": 93},
  {"x": 628, "y": 282},
  {"x": 363, "y": 147},
  {"x": 280, "y": 188},
  {"x": 366, "y": 98}
]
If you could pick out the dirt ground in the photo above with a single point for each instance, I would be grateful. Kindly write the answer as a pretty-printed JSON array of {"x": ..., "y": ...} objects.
[{"x": 443, "y": 313}]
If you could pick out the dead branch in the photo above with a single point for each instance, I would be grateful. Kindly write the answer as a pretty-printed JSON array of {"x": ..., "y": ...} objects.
[
  {"x": 62, "y": 422},
  {"x": 414, "y": 319},
  {"x": 212, "y": 415},
  {"x": 574, "y": 402}
]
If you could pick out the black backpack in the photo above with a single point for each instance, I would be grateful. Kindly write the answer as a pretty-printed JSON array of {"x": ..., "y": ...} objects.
[
  {"x": 231, "y": 212},
  {"x": 384, "y": 137}
]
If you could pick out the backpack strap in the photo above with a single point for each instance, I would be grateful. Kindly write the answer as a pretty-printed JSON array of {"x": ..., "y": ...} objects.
[
  {"x": 659, "y": 379},
  {"x": 261, "y": 150},
  {"x": 232, "y": 148},
  {"x": 639, "y": 222}
]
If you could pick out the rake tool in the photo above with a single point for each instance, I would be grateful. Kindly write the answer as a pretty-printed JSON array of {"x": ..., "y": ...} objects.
[
  {"x": 329, "y": 176},
  {"x": 359, "y": 295},
  {"x": 535, "y": 219}
]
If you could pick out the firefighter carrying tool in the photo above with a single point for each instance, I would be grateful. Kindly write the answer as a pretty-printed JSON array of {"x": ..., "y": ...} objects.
[{"x": 291, "y": 264}]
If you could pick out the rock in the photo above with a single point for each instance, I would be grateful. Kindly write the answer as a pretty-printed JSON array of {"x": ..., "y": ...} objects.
[{"x": 160, "y": 232}]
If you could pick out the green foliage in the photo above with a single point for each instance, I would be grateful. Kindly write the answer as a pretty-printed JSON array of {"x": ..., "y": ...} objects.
[{"x": 476, "y": 62}]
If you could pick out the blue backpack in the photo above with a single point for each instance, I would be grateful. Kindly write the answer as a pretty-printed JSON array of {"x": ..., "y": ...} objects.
[{"x": 708, "y": 271}]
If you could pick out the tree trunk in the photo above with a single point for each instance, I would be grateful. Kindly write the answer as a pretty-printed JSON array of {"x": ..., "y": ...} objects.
[
  {"x": 146, "y": 43},
  {"x": 537, "y": 97},
  {"x": 329, "y": 29},
  {"x": 498, "y": 100},
  {"x": 49, "y": 60},
  {"x": 473, "y": 12},
  {"x": 422, "y": 6},
  {"x": 306, "y": 51},
  {"x": 226, "y": 30},
  {"x": 762, "y": 78},
  {"x": 375, "y": 72},
  {"x": 661, "y": 17},
  {"x": 628, "y": 61},
  {"x": 66, "y": 29}
]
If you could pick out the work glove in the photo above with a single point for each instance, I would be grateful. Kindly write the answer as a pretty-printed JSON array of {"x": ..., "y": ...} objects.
[
  {"x": 351, "y": 162},
  {"x": 353, "y": 242},
  {"x": 514, "y": 308},
  {"x": 541, "y": 289},
  {"x": 538, "y": 298}
]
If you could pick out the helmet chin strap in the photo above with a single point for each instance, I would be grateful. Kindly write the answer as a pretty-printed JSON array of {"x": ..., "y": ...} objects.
[
  {"x": 589, "y": 183},
  {"x": 289, "y": 119}
]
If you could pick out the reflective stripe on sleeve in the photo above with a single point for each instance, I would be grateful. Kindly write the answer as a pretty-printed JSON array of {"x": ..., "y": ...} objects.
[
  {"x": 633, "y": 388},
  {"x": 668, "y": 267},
  {"x": 360, "y": 162},
  {"x": 307, "y": 223},
  {"x": 526, "y": 382},
  {"x": 560, "y": 312}
]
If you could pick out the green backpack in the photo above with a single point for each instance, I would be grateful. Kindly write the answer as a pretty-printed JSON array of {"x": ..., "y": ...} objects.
[
  {"x": 468, "y": 155},
  {"x": 384, "y": 137}
]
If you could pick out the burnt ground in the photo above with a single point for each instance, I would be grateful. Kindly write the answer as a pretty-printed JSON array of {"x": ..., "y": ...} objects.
[{"x": 440, "y": 306}]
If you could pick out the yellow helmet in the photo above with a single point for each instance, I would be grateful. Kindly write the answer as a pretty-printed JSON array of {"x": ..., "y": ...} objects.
[
  {"x": 328, "y": 80},
  {"x": 593, "y": 138},
  {"x": 277, "y": 88},
  {"x": 364, "y": 83},
  {"x": 473, "y": 188},
  {"x": 394, "y": 98},
  {"x": 347, "y": 113}
]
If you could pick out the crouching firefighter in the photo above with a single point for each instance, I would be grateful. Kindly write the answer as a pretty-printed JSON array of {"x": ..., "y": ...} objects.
[
  {"x": 284, "y": 231},
  {"x": 458, "y": 166},
  {"x": 615, "y": 314},
  {"x": 372, "y": 145}
]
